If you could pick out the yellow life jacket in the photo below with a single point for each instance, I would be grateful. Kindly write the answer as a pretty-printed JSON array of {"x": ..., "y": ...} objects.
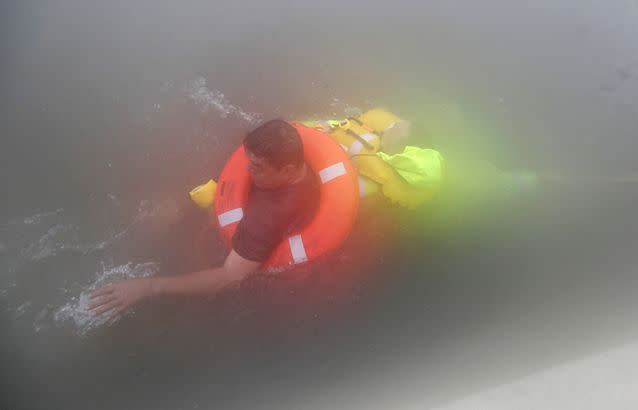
[
  {"x": 361, "y": 138},
  {"x": 356, "y": 138}
]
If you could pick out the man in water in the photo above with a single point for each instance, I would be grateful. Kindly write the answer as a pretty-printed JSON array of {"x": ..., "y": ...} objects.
[{"x": 284, "y": 196}]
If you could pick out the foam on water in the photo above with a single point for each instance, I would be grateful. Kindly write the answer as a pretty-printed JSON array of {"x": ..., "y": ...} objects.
[
  {"x": 55, "y": 235},
  {"x": 55, "y": 239},
  {"x": 34, "y": 239},
  {"x": 35, "y": 219},
  {"x": 76, "y": 313},
  {"x": 38, "y": 237},
  {"x": 145, "y": 209},
  {"x": 23, "y": 308},
  {"x": 213, "y": 100}
]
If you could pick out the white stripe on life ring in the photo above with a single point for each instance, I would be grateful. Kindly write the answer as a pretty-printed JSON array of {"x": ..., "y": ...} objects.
[
  {"x": 357, "y": 146},
  {"x": 229, "y": 217},
  {"x": 297, "y": 249},
  {"x": 332, "y": 172}
]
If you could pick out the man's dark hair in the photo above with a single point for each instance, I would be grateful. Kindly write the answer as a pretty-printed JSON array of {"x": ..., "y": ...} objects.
[{"x": 276, "y": 141}]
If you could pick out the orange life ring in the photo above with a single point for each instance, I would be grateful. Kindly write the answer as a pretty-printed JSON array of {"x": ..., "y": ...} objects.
[{"x": 338, "y": 204}]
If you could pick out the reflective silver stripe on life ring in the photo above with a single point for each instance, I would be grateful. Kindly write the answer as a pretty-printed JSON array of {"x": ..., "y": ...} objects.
[
  {"x": 357, "y": 146},
  {"x": 229, "y": 217},
  {"x": 297, "y": 249},
  {"x": 332, "y": 172}
]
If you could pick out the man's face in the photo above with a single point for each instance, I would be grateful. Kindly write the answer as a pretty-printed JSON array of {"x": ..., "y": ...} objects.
[{"x": 266, "y": 176}]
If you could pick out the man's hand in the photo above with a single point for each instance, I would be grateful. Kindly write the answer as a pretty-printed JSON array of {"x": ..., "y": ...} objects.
[{"x": 120, "y": 296}]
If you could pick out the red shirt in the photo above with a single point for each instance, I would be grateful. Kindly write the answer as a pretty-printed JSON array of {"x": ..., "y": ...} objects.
[{"x": 273, "y": 214}]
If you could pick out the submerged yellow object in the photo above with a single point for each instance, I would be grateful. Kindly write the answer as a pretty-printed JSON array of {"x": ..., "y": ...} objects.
[
  {"x": 394, "y": 185},
  {"x": 204, "y": 195},
  {"x": 420, "y": 167},
  {"x": 379, "y": 120}
]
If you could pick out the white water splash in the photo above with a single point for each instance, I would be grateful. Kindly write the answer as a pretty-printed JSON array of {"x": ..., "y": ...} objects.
[
  {"x": 113, "y": 238},
  {"x": 39, "y": 237},
  {"x": 38, "y": 218},
  {"x": 52, "y": 236},
  {"x": 22, "y": 309},
  {"x": 76, "y": 313},
  {"x": 214, "y": 100},
  {"x": 57, "y": 238},
  {"x": 66, "y": 237}
]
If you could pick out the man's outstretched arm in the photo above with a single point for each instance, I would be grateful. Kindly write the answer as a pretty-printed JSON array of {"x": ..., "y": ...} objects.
[{"x": 120, "y": 296}]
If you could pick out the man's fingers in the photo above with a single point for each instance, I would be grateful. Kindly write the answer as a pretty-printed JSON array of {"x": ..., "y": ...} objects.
[
  {"x": 116, "y": 312},
  {"x": 101, "y": 292},
  {"x": 108, "y": 306},
  {"x": 100, "y": 301}
]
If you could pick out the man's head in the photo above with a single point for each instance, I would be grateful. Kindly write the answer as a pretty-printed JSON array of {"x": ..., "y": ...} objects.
[{"x": 275, "y": 154}]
